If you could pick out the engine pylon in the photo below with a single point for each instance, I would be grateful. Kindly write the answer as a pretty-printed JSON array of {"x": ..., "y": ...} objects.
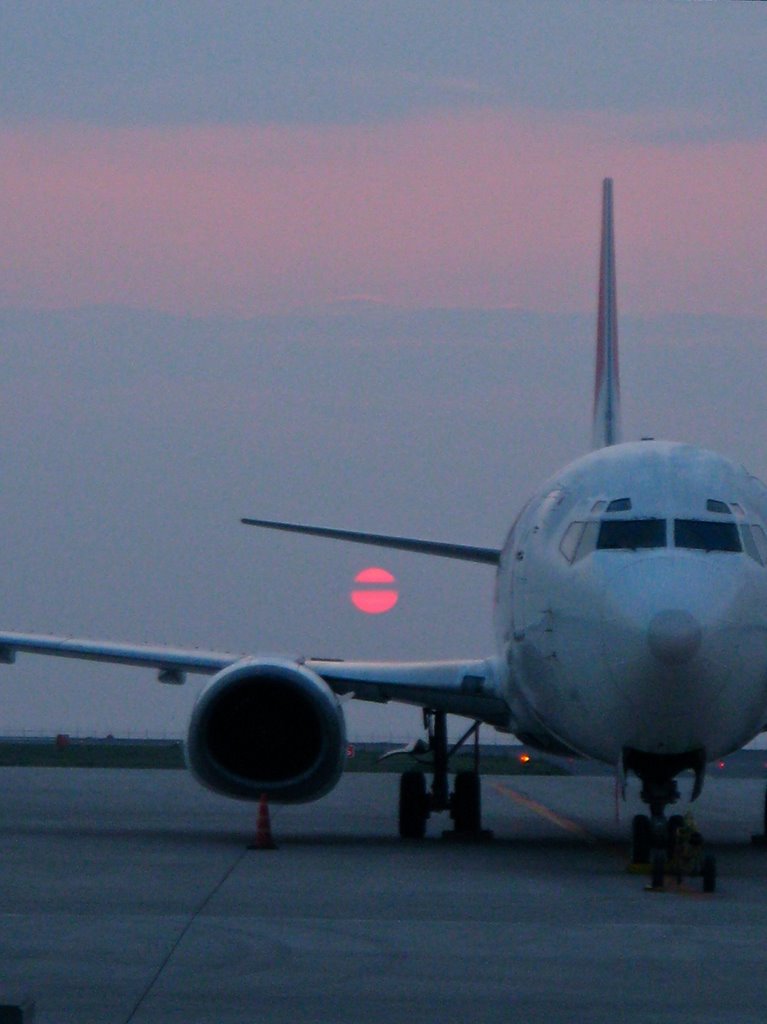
[{"x": 264, "y": 839}]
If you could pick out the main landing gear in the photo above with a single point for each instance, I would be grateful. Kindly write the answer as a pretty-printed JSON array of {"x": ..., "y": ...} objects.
[
  {"x": 760, "y": 839},
  {"x": 417, "y": 803},
  {"x": 668, "y": 845}
]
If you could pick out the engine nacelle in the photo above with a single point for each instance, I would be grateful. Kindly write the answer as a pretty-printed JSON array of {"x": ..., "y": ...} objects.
[{"x": 270, "y": 727}]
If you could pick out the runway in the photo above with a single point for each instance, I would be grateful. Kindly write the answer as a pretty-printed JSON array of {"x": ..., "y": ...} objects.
[{"x": 130, "y": 896}]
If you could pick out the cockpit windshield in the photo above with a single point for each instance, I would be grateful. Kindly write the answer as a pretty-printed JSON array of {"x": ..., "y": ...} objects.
[
  {"x": 630, "y": 534},
  {"x": 705, "y": 535},
  {"x": 581, "y": 538}
]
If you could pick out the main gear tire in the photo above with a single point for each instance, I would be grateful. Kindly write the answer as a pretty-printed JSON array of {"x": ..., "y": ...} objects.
[
  {"x": 466, "y": 806},
  {"x": 413, "y": 805}
]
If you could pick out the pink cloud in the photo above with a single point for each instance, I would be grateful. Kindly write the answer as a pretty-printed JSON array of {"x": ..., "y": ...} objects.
[{"x": 481, "y": 208}]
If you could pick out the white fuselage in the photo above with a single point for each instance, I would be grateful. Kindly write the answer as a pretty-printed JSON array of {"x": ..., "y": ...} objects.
[{"x": 643, "y": 623}]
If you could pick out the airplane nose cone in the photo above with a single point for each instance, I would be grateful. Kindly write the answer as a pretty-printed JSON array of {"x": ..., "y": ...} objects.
[
  {"x": 669, "y": 646},
  {"x": 674, "y": 637}
]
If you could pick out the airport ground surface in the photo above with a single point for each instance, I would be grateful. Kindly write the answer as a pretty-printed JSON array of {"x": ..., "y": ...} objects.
[{"x": 131, "y": 896}]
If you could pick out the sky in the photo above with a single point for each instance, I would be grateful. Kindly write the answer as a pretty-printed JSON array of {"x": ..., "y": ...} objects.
[{"x": 336, "y": 262}]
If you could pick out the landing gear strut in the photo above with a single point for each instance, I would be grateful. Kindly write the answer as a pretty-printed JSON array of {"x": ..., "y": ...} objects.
[
  {"x": 416, "y": 804},
  {"x": 760, "y": 839}
]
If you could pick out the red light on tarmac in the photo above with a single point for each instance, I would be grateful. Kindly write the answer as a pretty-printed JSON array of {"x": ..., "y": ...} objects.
[
  {"x": 720, "y": 764},
  {"x": 376, "y": 593}
]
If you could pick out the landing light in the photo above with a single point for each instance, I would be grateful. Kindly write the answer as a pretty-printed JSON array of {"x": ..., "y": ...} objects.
[{"x": 524, "y": 758}]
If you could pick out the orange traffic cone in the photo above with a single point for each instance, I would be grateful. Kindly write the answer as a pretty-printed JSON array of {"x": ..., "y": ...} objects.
[{"x": 263, "y": 840}]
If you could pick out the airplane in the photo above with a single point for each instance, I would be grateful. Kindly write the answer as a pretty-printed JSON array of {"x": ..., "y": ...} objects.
[{"x": 630, "y": 619}]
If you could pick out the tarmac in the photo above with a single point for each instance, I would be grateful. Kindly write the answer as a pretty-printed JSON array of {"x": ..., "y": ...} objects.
[{"x": 131, "y": 896}]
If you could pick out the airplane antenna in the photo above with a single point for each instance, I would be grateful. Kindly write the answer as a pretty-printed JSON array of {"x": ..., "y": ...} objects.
[{"x": 606, "y": 422}]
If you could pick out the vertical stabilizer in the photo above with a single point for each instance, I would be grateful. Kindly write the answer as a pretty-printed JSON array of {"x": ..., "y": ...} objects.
[{"x": 607, "y": 417}]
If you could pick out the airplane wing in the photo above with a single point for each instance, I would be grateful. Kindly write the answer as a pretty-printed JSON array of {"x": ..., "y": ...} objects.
[
  {"x": 464, "y": 552},
  {"x": 172, "y": 663},
  {"x": 468, "y": 688}
]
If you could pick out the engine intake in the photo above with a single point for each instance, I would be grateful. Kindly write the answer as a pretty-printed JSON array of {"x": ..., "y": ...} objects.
[{"x": 270, "y": 727}]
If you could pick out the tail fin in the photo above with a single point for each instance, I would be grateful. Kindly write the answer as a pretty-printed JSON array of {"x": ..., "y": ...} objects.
[{"x": 607, "y": 392}]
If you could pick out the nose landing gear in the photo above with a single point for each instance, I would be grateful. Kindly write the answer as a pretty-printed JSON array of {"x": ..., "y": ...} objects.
[
  {"x": 416, "y": 804},
  {"x": 670, "y": 846}
]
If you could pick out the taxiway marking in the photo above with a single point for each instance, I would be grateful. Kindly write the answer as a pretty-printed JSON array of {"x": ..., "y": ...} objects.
[{"x": 545, "y": 812}]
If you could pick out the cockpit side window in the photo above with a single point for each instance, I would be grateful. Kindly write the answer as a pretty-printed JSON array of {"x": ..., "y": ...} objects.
[
  {"x": 630, "y": 534},
  {"x": 749, "y": 545},
  {"x": 705, "y": 535},
  {"x": 579, "y": 540},
  {"x": 712, "y": 505},
  {"x": 588, "y": 539},
  {"x": 569, "y": 543},
  {"x": 760, "y": 539}
]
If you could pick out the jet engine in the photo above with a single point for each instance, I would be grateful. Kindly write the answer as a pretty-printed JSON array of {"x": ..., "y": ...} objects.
[{"x": 271, "y": 727}]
